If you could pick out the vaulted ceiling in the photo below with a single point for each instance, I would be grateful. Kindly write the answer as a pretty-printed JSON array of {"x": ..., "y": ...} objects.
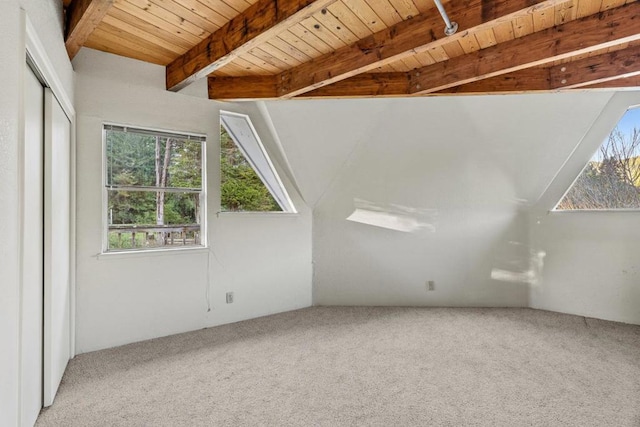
[{"x": 270, "y": 49}]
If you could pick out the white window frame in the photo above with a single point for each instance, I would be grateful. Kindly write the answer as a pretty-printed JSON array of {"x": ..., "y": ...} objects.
[
  {"x": 105, "y": 193},
  {"x": 283, "y": 200}
]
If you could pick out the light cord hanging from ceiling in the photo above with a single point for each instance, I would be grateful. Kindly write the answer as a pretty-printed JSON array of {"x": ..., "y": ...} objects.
[{"x": 450, "y": 27}]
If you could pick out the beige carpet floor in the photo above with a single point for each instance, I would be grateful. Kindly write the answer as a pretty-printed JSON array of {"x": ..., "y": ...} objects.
[{"x": 363, "y": 366}]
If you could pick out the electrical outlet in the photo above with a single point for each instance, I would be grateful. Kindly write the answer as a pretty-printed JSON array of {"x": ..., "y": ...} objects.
[
  {"x": 431, "y": 285},
  {"x": 229, "y": 297}
]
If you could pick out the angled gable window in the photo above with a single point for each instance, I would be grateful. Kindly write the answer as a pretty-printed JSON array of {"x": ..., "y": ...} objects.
[
  {"x": 249, "y": 182},
  {"x": 611, "y": 179}
]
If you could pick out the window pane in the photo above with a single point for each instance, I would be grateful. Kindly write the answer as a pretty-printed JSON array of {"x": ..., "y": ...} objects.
[
  {"x": 139, "y": 219},
  {"x": 136, "y": 159},
  {"x": 121, "y": 238},
  {"x": 241, "y": 188},
  {"x": 611, "y": 179},
  {"x": 138, "y": 163},
  {"x": 238, "y": 128},
  {"x": 185, "y": 167}
]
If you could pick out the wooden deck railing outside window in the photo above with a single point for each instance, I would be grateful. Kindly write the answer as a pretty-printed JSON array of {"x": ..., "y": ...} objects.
[{"x": 127, "y": 236}]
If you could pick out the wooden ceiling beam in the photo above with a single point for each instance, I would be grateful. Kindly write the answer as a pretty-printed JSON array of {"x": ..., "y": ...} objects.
[
  {"x": 402, "y": 40},
  {"x": 83, "y": 16},
  {"x": 524, "y": 81},
  {"x": 584, "y": 35},
  {"x": 262, "y": 21},
  {"x": 632, "y": 82},
  {"x": 397, "y": 84},
  {"x": 368, "y": 85},
  {"x": 529, "y": 80},
  {"x": 536, "y": 80},
  {"x": 619, "y": 69},
  {"x": 266, "y": 87},
  {"x": 224, "y": 88},
  {"x": 364, "y": 85},
  {"x": 598, "y": 69},
  {"x": 595, "y": 32}
]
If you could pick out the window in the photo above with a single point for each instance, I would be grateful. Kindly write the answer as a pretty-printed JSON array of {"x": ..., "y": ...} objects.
[
  {"x": 249, "y": 181},
  {"x": 153, "y": 189},
  {"x": 611, "y": 179}
]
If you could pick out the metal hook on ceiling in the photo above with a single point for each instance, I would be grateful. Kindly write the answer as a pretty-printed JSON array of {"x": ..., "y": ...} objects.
[{"x": 450, "y": 27}]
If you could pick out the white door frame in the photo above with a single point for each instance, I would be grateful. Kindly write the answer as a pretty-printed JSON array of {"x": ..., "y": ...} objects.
[
  {"x": 38, "y": 58},
  {"x": 32, "y": 251}
]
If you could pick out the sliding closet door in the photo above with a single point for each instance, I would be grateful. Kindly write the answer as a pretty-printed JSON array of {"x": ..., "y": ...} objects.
[
  {"x": 57, "y": 202},
  {"x": 32, "y": 251}
]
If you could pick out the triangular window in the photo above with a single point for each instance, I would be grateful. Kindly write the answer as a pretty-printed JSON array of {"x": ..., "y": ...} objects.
[
  {"x": 611, "y": 179},
  {"x": 249, "y": 182}
]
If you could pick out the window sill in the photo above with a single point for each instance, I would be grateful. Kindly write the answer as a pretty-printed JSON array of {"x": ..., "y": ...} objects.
[
  {"x": 553, "y": 212},
  {"x": 153, "y": 252},
  {"x": 272, "y": 214}
]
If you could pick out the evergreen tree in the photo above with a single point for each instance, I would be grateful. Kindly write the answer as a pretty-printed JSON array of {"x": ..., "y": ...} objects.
[{"x": 241, "y": 188}]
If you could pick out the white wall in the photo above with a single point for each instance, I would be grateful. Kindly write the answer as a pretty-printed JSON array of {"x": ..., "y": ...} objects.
[
  {"x": 471, "y": 167},
  {"x": 592, "y": 267},
  {"x": 265, "y": 259},
  {"x": 9, "y": 213},
  {"x": 47, "y": 19}
]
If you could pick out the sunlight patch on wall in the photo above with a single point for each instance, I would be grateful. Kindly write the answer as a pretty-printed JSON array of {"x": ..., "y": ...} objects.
[
  {"x": 394, "y": 217},
  {"x": 530, "y": 276}
]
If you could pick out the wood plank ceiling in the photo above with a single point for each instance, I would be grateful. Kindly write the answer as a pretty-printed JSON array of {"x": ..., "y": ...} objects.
[{"x": 269, "y": 49}]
